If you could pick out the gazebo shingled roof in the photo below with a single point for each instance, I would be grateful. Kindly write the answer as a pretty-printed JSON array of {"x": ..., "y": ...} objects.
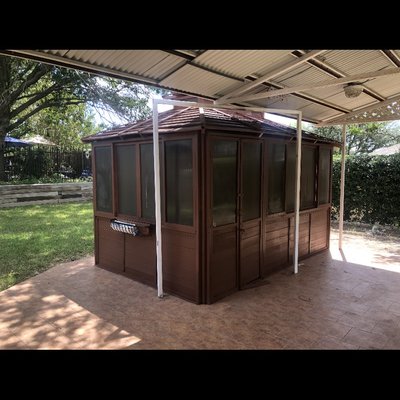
[{"x": 184, "y": 119}]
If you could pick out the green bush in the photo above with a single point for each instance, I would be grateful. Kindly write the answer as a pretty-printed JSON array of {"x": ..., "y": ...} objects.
[{"x": 372, "y": 189}]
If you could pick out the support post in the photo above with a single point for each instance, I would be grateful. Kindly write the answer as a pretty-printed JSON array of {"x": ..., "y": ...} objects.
[
  {"x": 297, "y": 197},
  {"x": 157, "y": 195},
  {"x": 342, "y": 176}
]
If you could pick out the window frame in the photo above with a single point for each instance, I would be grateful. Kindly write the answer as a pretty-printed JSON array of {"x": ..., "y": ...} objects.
[
  {"x": 108, "y": 214},
  {"x": 137, "y": 168},
  {"x": 174, "y": 226},
  {"x": 139, "y": 181},
  {"x": 329, "y": 202},
  {"x": 316, "y": 161},
  {"x": 266, "y": 172},
  {"x": 316, "y": 204}
]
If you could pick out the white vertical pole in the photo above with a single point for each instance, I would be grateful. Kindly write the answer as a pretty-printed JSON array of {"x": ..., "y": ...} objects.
[
  {"x": 157, "y": 195},
  {"x": 297, "y": 196},
  {"x": 342, "y": 175}
]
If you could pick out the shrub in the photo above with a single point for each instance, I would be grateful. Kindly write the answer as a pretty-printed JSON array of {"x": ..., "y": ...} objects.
[{"x": 372, "y": 189}]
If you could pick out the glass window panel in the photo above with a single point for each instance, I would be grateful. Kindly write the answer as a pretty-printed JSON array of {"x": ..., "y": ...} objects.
[
  {"x": 224, "y": 159},
  {"x": 307, "y": 192},
  {"x": 276, "y": 178},
  {"x": 103, "y": 179},
  {"x": 147, "y": 180},
  {"x": 324, "y": 175},
  {"x": 251, "y": 176},
  {"x": 290, "y": 176},
  {"x": 126, "y": 179},
  {"x": 179, "y": 181}
]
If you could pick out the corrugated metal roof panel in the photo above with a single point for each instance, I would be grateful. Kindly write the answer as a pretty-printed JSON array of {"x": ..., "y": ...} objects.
[
  {"x": 386, "y": 85},
  {"x": 352, "y": 62},
  {"x": 302, "y": 75},
  {"x": 275, "y": 64},
  {"x": 245, "y": 63},
  {"x": 60, "y": 52},
  {"x": 325, "y": 93},
  {"x": 86, "y": 55},
  {"x": 287, "y": 102},
  {"x": 316, "y": 111},
  {"x": 352, "y": 103},
  {"x": 164, "y": 66},
  {"x": 197, "y": 80},
  {"x": 149, "y": 63}
]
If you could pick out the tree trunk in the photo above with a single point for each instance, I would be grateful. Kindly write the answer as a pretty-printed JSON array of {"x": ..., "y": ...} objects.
[{"x": 5, "y": 70}]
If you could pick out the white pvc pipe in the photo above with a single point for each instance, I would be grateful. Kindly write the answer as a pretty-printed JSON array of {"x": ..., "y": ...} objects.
[
  {"x": 342, "y": 175},
  {"x": 157, "y": 184},
  {"x": 297, "y": 197},
  {"x": 157, "y": 197}
]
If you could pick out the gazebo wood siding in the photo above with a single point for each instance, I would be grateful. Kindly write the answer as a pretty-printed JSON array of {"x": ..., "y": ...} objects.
[{"x": 226, "y": 217}]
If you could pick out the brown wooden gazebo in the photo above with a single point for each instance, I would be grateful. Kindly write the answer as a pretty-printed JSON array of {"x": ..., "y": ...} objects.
[{"x": 227, "y": 184}]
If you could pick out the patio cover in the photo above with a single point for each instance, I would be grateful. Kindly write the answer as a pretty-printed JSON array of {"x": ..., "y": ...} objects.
[{"x": 309, "y": 81}]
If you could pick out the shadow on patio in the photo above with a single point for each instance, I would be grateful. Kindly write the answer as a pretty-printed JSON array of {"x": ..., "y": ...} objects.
[{"x": 331, "y": 303}]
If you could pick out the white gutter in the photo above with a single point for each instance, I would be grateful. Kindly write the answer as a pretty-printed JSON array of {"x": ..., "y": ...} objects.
[
  {"x": 157, "y": 184},
  {"x": 342, "y": 176}
]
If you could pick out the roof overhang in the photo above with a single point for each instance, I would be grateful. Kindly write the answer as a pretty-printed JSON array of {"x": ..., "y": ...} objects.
[{"x": 312, "y": 81}]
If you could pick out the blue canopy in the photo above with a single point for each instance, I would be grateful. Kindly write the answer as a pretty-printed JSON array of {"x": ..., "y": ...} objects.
[{"x": 13, "y": 142}]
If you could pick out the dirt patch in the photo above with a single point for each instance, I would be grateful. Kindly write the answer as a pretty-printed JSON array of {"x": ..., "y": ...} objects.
[{"x": 376, "y": 231}]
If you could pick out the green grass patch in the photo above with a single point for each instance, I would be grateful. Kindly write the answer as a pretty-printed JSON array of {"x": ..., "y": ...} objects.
[{"x": 33, "y": 238}]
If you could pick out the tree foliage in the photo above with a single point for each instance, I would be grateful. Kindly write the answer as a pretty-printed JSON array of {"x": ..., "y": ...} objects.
[
  {"x": 363, "y": 138},
  {"x": 65, "y": 128},
  {"x": 27, "y": 88}
]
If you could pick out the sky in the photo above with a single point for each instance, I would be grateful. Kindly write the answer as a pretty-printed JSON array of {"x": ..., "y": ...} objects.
[{"x": 286, "y": 121}]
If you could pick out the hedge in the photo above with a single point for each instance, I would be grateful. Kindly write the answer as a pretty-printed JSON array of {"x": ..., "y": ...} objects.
[{"x": 372, "y": 191}]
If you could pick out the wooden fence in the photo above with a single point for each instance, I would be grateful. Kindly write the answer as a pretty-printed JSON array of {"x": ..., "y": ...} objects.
[{"x": 23, "y": 195}]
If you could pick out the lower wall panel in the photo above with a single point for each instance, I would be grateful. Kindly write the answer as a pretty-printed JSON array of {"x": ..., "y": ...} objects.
[
  {"x": 135, "y": 256},
  {"x": 140, "y": 258},
  {"x": 275, "y": 243},
  {"x": 223, "y": 263},
  {"x": 180, "y": 265},
  {"x": 279, "y": 237},
  {"x": 110, "y": 246},
  {"x": 320, "y": 223}
]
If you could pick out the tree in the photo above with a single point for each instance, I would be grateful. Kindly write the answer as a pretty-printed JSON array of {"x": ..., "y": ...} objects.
[
  {"x": 363, "y": 138},
  {"x": 27, "y": 88},
  {"x": 64, "y": 128}
]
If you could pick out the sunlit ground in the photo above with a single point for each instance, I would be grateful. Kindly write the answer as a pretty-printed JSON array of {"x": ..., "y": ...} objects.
[
  {"x": 380, "y": 252},
  {"x": 329, "y": 304}
]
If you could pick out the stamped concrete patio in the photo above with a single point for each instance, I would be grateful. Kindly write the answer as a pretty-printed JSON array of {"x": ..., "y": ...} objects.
[{"x": 337, "y": 301}]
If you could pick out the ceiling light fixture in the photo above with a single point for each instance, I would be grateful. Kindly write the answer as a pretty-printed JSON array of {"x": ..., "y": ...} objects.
[{"x": 352, "y": 90}]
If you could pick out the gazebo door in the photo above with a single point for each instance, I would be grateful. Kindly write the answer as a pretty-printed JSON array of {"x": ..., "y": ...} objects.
[
  {"x": 235, "y": 217},
  {"x": 250, "y": 211}
]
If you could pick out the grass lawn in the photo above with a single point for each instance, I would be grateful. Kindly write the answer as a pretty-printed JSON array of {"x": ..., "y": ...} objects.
[{"x": 33, "y": 238}]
